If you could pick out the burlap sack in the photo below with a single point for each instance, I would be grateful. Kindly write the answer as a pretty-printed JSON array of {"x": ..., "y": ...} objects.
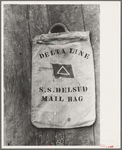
[{"x": 63, "y": 84}]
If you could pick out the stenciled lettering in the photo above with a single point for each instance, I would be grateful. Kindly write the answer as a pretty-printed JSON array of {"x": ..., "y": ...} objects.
[
  {"x": 63, "y": 51},
  {"x": 61, "y": 99},
  {"x": 75, "y": 99},
  {"x": 52, "y": 98}
]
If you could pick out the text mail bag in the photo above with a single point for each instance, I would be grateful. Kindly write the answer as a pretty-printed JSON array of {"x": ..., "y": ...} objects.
[{"x": 63, "y": 82}]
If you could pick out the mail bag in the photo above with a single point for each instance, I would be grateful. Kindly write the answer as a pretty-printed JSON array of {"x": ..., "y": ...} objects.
[{"x": 63, "y": 81}]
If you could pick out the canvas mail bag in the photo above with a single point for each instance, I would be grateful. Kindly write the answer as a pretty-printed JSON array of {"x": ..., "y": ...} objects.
[{"x": 63, "y": 82}]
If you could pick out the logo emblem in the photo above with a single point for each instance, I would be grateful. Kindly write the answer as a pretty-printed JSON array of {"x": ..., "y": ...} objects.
[{"x": 62, "y": 70}]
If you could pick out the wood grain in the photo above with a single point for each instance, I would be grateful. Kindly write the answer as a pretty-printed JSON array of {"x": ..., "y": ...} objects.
[
  {"x": 79, "y": 136},
  {"x": 38, "y": 19},
  {"x": 91, "y": 15},
  {"x": 39, "y": 24},
  {"x": 70, "y": 15},
  {"x": 17, "y": 75}
]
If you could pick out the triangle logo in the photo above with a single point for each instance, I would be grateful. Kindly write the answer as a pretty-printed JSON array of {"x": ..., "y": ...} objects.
[{"x": 63, "y": 71}]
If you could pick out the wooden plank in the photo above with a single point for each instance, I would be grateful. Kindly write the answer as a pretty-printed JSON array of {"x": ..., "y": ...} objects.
[
  {"x": 60, "y": 137},
  {"x": 38, "y": 20},
  {"x": 17, "y": 64},
  {"x": 39, "y": 24},
  {"x": 91, "y": 20},
  {"x": 71, "y": 16},
  {"x": 47, "y": 136},
  {"x": 80, "y": 136}
]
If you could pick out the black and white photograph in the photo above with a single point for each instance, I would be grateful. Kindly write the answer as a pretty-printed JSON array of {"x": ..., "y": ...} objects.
[{"x": 51, "y": 75}]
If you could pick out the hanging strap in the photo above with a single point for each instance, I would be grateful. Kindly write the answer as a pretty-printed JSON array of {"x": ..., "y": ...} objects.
[
  {"x": 58, "y": 27},
  {"x": 65, "y": 35}
]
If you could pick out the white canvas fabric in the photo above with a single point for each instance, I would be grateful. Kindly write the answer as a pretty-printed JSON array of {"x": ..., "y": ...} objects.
[{"x": 63, "y": 82}]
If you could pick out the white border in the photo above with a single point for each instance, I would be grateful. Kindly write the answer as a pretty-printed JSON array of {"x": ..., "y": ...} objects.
[
  {"x": 57, "y": 2},
  {"x": 2, "y": 79},
  {"x": 110, "y": 43},
  {"x": 52, "y": 147},
  {"x": 110, "y": 73}
]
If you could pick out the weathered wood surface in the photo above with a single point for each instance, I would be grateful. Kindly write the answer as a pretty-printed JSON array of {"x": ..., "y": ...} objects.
[
  {"x": 21, "y": 23},
  {"x": 91, "y": 22}
]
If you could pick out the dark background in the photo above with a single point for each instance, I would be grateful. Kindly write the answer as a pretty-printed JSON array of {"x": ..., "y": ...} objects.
[{"x": 21, "y": 24}]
